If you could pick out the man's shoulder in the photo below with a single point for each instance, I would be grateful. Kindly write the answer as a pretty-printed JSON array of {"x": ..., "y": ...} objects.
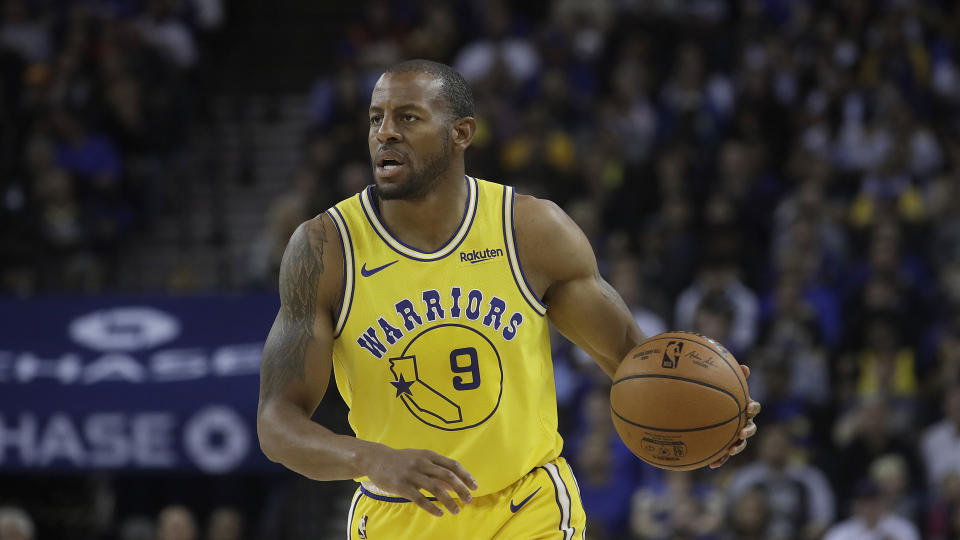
[
  {"x": 313, "y": 260},
  {"x": 540, "y": 218},
  {"x": 550, "y": 244}
]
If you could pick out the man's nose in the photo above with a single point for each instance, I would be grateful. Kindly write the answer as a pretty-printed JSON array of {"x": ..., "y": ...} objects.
[{"x": 387, "y": 130}]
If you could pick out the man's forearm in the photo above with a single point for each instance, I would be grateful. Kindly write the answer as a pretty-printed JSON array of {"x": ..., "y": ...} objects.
[{"x": 289, "y": 437}]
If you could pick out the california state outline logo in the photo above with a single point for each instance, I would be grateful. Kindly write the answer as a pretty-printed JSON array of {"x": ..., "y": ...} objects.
[{"x": 449, "y": 377}]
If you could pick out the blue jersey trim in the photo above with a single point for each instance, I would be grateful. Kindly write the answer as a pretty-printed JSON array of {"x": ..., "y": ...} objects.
[
  {"x": 513, "y": 257},
  {"x": 385, "y": 498},
  {"x": 556, "y": 495},
  {"x": 350, "y": 514},
  {"x": 469, "y": 213},
  {"x": 573, "y": 530},
  {"x": 349, "y": 274}
]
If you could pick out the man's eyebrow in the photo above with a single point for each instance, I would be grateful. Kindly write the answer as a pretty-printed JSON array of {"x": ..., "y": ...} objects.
[{"x": 400, "y": 107}]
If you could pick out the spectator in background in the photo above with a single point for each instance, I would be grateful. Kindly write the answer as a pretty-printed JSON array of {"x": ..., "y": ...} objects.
[
  {"x": 714, "y": 317},
  {"x": 625, "y": 277},
  {"x": 892, "y": 476},
  {"x": 633, "y": 117},
  {"x": 668, "y": 246},
  {"x": 790, "y": 343},
  {"x": 436, "y": 36},
  {"x": 883, "y": 367},
  {"x": 607, "y": 470},
  {"x": 209, "y": 14},
  {"x": 28, "y": 36},
  {"x": 944, "y": 201},
  {"x": 15, "y": 524},
  {"x": 284, "y": 213},
  {"x": 136, "y": 528},
  {"x": 719, "y": 277},
  {"x": 685, "y": 104},
  {"x": 499, "y": 59},
  {"x": 170, "y": 36},
  {"x": 801, "y": 502},
  {"x": 749, "y": 516},
  {"x": 93, "y": 157},
  {"x": 944, "y": 339},
  {"x": 943, "y": 509},
  {"x": 334, "y": 104},
  {"x": 868, "y": 436},
  {"x": 941, "y": 442},
  {"x": 681, "y": 505},
  {"x": 751, "y": 194},
  {"x": 176, "y": 522},
  {"x": 225, "y": 523},
  {"x": 872, "y": 520}
]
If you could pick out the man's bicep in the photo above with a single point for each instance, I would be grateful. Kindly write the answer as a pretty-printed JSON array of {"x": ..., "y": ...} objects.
[
  {"x": 297, "y": 355},
  {"x": 584, "y": 307},
  {"x": 296, "y": 364}
]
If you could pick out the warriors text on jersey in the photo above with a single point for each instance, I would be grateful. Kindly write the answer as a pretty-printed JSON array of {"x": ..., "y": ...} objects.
[{"x": 447, "y": 350}]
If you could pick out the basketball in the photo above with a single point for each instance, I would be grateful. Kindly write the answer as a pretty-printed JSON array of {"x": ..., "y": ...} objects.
[{"x": 679, "y": 400}]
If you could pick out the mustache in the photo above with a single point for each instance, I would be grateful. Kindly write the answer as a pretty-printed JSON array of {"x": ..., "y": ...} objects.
[{"x": 382, "y": 149}]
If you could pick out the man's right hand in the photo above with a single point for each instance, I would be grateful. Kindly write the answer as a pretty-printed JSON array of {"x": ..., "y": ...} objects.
[{"x": 407, "y": 472}]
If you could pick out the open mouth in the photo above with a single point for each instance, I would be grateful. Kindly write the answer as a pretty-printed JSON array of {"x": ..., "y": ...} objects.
[{"x": 389, "y": 163}]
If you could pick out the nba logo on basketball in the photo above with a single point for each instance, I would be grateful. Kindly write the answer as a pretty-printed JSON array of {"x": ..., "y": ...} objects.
[
  {"x": 362, "y": 528},
  {"x": 671, "y": 356}
]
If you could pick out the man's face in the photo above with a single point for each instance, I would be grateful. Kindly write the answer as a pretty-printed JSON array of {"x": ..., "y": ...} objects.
[{"x": 409, "y": 138}]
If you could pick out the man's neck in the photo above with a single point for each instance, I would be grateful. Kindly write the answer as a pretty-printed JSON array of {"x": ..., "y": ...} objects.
[{"x": 428, "y": 223}]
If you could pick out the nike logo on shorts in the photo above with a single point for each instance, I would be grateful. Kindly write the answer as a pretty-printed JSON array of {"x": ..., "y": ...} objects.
[
  {"x": 367, "y": 273},
  {"x": 516, "y": 507}
]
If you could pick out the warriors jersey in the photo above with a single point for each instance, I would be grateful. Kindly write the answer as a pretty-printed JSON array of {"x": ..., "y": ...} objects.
[{"x": 447, "y": 350}]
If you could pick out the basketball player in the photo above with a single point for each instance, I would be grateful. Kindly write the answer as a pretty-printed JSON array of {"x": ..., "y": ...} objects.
[{"x": 429, "y": 295}]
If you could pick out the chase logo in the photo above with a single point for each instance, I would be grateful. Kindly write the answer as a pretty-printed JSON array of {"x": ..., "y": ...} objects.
[
  {"x": 476, "y": 256},
  {"x": 124, "y": 329}
]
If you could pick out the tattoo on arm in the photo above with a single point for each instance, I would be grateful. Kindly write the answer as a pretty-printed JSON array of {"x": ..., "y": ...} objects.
[{"x": 285, "y": 351}]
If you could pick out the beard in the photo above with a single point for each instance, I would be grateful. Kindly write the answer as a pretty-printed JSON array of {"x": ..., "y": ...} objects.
[{"x": 421, "y": 180}]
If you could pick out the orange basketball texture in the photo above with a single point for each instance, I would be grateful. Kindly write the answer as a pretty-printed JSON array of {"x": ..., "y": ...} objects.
[{"x": 679, "y": 400}]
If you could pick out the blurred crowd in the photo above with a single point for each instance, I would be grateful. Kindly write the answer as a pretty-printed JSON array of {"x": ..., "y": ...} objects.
[
  {"x": 781, "y": 175},
  {"x": 94, "y": 99},
  {"x": 174, "y": 522}
]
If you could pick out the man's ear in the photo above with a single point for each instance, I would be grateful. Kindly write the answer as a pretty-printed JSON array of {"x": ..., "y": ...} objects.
[{"x": 462, "y": 132}]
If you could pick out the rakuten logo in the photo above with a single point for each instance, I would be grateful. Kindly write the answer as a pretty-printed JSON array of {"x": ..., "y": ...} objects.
[{"x": 476, "y": 256}]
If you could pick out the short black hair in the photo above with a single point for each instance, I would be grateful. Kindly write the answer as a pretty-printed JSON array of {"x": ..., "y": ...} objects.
[{"x": 454, "y": 87}]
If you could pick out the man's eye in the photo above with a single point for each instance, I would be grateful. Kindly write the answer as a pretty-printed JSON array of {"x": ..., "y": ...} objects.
[
  {"x": 375, "y": 120},
  {"x": 409, "y": 118}
]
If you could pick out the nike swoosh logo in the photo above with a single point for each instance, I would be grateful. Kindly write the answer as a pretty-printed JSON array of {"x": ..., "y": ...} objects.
[
  {"x": 515, "y": 507},
  {"x": 367, "y": 273}
]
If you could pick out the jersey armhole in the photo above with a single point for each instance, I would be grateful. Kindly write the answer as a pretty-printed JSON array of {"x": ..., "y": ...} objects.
[
  {"x": 510, "y": 239},
  {"x": 348, "y": 270}
]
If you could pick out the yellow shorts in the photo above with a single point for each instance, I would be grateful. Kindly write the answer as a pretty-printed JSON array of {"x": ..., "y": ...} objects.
[{"x": 544, "y": 504}]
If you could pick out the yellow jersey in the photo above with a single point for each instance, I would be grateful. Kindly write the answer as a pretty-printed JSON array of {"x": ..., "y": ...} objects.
[{"x": 448, "y": 350}]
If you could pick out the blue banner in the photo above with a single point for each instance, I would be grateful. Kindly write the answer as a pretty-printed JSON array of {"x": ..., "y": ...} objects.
[{"x": 143, "y": 383}]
